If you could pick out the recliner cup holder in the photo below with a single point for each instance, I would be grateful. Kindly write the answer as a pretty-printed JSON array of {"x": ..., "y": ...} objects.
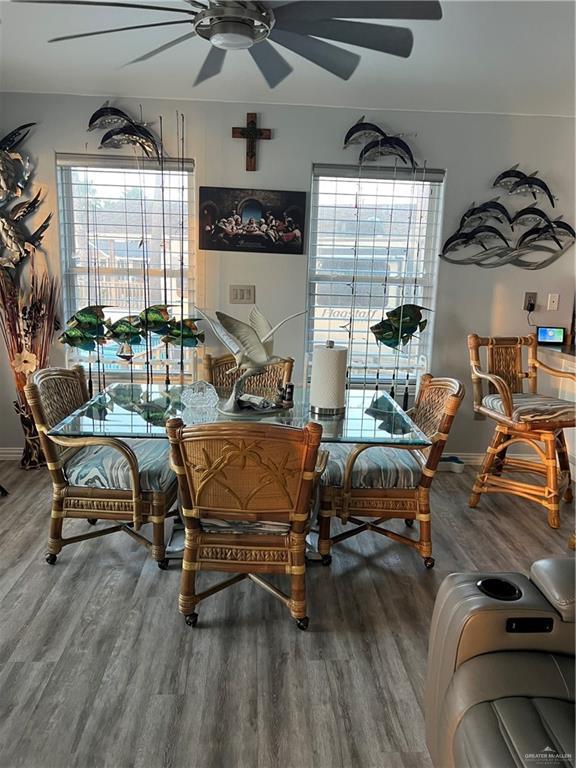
[{"x": 499, "y": 589}]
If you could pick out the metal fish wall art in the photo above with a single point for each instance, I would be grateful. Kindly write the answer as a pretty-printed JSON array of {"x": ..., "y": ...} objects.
[
  {"x": 88, "y": 327},
  {"x": 533, "y": 185},
  {"x": 530, "y": 216},
  {"x": 121, "y": 129},
  {"x": 377, "y": 143},
  {"x": 361, "y": 132},
  {"x": 480, "y": 214},
  {"x": 400, "y": 325},
  {"x": 507, "y": 178},
  {"x": 541, "y": 243},
  {"x": 108, "y": 117},
  {"x": 389, "y": 145}
]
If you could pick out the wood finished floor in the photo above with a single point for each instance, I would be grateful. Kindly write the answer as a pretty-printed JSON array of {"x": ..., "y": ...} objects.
[{"x": 97, "y": 668}]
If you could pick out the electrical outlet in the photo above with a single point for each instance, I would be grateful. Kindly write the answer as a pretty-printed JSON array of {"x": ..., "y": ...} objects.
[
  {"x": 242, "y": 294},
  {"x": 553, "y": 301},
  {"x": 530, "y": 301}
]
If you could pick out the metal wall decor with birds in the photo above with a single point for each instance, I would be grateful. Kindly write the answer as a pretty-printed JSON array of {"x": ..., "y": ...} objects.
[
  {"x": 490, "y": 236},
  {"x": 301, "y": 26}
]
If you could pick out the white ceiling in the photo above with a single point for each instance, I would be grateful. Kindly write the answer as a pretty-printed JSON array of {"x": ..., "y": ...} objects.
[{"x": 504, "y": 56}]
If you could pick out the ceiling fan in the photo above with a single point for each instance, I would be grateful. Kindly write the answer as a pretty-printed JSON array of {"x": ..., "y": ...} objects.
[{"x": 230, "y": 25}]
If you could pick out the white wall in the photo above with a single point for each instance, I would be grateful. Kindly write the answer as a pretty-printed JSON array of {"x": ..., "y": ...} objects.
[{"x": 473, "y": 148}]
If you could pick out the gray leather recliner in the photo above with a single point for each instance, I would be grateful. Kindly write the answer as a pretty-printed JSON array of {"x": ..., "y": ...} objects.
[{"x": 500, "y": 687}]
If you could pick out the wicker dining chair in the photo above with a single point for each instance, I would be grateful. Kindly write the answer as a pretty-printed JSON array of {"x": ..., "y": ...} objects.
[
  {"x": 522, "y": 418},
  {"x": 264, "y": 384},
  {"x": 245, "y": 492},
  {"x": 362, "y": 481},
  {"x": 129, "y": 482}
]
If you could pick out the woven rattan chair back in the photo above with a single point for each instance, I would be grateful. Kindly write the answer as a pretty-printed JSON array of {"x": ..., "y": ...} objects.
[
  {"x": 504, "y": 358},
  {"x": 437, "y": 402},
  {"x": 53, "y": 394},
  {"x": 264, "y": 384},
  {"x": 246, "y": 472}
]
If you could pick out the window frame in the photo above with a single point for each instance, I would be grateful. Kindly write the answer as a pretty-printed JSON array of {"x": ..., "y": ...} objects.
[
  {"x": 433, "y": 234},
  {"x": 67, "y": 234}
]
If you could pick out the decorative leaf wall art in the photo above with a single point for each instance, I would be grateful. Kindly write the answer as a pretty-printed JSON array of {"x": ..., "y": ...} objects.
[{"x": 490, "y": 236}]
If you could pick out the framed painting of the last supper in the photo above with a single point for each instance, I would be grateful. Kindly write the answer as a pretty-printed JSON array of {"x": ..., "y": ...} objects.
[{"x": 256, "y": 220}]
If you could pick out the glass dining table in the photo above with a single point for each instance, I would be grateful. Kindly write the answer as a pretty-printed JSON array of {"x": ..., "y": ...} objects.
[{"x": 126, "y": 410}]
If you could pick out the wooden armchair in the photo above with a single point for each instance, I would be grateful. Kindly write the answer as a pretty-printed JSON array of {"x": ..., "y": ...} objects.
[
  {"x": 370, "y": 481},
  {"x": 263, "y": 385},
  {"x": 522, "y": 418},
  {"x": 93, "y": 478},
  {"x": 245, "y": 491}
]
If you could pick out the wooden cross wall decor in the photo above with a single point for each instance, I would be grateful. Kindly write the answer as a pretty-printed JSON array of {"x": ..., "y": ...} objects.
[{"x": 252, "y": 134}]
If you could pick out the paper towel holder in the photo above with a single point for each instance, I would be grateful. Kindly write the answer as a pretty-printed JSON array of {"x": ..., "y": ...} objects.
[{"x": 334, "y": 413}]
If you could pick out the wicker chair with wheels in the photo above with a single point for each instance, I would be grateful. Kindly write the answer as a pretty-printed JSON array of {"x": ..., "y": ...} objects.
[
  {"x": 522, "y": 418},
  {"x": 129, "y": 482},
  {"x": 369, "y": 481},
  {"x": 245, "y": 491},
  {"x": 265, "y": 384}
]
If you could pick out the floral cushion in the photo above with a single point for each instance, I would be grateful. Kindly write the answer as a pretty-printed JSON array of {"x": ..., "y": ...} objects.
[
  {"x": 100, "y": 466},
  {"x": 526, "y": 407},
  {"x": 244, "y": 526},
  {"x": 376, "y": 467}
]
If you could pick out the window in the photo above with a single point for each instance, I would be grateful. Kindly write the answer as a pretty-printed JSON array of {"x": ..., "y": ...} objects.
[
  {"x": 374, "y": 240},
  {"x": 119, "y": 217}
]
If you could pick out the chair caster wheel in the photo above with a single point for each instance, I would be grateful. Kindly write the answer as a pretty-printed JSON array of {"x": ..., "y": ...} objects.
[
  {"x": 303, "y": 623},
  {"x": 429, "y": 562},
  {"x": 51, "y": 559},
  {"x": 326, "y": 559},
  {"x": 92, "y": 520},
  {"x": 163, "y": 564},
  {"x": 191, "y": 619},
  {"x": 409, "y": 523}
]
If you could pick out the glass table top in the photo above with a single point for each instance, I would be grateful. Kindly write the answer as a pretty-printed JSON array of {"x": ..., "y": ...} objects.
[{"x": 139, "y": 411}]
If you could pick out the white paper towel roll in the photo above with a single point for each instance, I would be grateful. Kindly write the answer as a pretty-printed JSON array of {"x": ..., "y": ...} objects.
[{"x": 328, "y": 381}]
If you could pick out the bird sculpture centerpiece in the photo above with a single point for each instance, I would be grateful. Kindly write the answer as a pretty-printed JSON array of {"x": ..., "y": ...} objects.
[{"x": 251, "y": 344}]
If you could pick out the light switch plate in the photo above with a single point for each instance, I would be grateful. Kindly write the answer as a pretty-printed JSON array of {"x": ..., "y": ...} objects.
[{"x": 242, "y": 294}]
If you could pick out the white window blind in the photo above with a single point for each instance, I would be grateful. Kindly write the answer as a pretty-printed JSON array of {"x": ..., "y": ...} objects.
[
  {"x": 119, "y": 217},
  {"x": 374, "y": 239}
]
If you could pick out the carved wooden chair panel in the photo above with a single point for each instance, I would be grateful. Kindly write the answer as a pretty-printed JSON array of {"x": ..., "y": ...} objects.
[{"x": 245, "y": 491}]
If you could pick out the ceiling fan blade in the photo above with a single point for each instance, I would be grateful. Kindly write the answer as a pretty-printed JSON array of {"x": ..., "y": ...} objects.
[
  {"x": 273, "y": 66},
  {"x": 110, "y": 4},
  {"x": 117, "y": 29},
  {"x": 397, "y": 41},
  {"x": 161, "y": 49},
  {"x": 311, "y": 10},
  {"x": 212, "y": 64},
  {"x": 339, "y": 61}
]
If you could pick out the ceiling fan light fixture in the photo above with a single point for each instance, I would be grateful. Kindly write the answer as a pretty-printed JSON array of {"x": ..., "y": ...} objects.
[{"x": 232, "y": 35}]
